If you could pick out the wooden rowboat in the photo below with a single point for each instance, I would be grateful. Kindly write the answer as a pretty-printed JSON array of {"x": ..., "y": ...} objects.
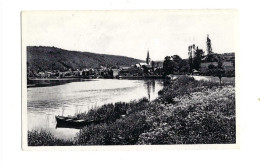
[
  {"x": 73, "y": 122},
  {"x": 70, "y": 122}
]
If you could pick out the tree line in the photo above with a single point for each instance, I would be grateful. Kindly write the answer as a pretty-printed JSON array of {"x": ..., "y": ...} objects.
[{"x": 176, "y": 65}]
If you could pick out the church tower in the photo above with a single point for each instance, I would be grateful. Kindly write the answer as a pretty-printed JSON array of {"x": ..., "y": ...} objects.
[
  {"x": 148, "y": 59},
  {"x": 209, "y": 48}
]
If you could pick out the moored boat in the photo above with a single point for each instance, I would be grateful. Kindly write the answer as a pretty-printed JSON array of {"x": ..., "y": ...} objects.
[{"x": 71, "y": 122}]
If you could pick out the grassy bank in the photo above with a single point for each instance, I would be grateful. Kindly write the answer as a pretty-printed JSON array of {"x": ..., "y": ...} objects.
[
  {"x": 45, "y": 138},
  {"x": 187, "y": 111}
]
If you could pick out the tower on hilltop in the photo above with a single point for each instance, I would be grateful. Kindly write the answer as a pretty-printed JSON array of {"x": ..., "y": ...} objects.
[
  {"x": 148, "y": 59},
  {"x": 209, "y": 48}
]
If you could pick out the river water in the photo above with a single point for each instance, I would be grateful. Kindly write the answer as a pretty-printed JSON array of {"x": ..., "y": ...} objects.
[{"x": 44, "y": 103}]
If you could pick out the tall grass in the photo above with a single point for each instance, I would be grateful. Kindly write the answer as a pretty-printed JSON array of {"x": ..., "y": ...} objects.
[
  {"x": 121, "y": 132},
  {"x": 45, "y": 138},
  {"x": 112, "y": 112}
]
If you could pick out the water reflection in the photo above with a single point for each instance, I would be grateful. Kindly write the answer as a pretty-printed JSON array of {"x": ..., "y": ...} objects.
[
  {"x": 44, "y": 103},
  {"x": 150, "y": 86}
]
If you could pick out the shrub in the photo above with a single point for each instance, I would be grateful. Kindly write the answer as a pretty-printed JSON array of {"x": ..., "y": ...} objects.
[
  {"x": 184, "y": 85},
  {"x": 204, "y": 117},
  {"x": 111, "y": 112},
  {"x": 121, "y": 132},
  {"x": 45, "y": 138}
]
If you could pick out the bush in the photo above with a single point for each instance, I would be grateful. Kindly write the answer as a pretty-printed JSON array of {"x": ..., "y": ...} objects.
[
  {"x": 121, "y": 132},
  {"x": 111, "y": 112},
  {"x": 184, "y": 85},
  {"x": 107, "y": 112},
  {"x": 205, "y": 117},
  {"x": 45, "y": 138}
]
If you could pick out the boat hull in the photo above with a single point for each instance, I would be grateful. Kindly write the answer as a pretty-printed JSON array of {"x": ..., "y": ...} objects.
[{"x": 65, "y": 122}]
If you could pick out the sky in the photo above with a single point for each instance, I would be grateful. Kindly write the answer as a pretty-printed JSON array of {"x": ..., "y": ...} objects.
[{"x": 132, "y": 33}]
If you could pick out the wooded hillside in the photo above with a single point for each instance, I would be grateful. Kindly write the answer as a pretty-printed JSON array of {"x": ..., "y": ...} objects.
[{"x": 51, "y": 58}]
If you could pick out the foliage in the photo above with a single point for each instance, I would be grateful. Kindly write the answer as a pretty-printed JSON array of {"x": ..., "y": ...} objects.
[
  {"x": 121, "y": 132},
  {"x": 117, "y": 130},
  {"x": 187, "y": 112},
  {"x": 219, "y": 70},
  {"x": 51, "y": 58},
  {"x": 167, "y": 65},
  {"x": 111, "y": 112},
  {"x": 204, "y": 117},
  {"x": 45, "y": 138},
  {"x": 180, "y": 86},
  {"x": 197, "y": 59},
  {"x": 211, "y": 67},
  {"x": 175, "y": 65},
  {"x": 107, "y": 112}
]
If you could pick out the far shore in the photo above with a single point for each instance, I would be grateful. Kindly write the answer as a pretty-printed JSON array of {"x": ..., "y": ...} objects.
[
  {"x": 43, "y": 82},
  {"x": 34, "y": 79}
]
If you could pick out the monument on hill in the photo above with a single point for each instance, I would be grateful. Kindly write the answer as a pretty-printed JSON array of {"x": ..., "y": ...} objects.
[{"x": 209, "y": 48}]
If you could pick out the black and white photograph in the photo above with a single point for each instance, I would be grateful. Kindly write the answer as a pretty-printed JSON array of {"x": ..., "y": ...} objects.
[{"x": 129, "y": 77}]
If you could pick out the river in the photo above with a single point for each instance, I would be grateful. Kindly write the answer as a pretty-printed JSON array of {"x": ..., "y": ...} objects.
[{"x": 44, "y": 103}]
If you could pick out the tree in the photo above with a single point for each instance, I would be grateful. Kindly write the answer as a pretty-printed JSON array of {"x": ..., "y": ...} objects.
[
  {"x": 176, "y": 58},
  {"x": 220, "y": 70},
  {"x": 197, "y": 59},
  {"x": 217, "y": 70},
  {"x": 153, "y": 65},
  {"x": 175, "y": 65},
  {"x": 184, "y": 66},
  {"x": 167, "y": 65}
]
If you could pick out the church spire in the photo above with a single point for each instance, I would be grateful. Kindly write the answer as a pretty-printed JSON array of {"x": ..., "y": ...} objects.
[{"x": 148, "y": 59}]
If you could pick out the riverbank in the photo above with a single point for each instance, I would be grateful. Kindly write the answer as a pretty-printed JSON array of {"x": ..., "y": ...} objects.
[
  {"x": 187, "y": 111},
  {"x": 43, "y": 82}
]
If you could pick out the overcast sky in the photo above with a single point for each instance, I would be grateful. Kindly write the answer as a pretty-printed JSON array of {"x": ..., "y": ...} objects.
[{"x": 131, "y": 33}]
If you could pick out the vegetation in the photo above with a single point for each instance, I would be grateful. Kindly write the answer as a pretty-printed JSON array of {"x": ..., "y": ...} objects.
[
  {"x": 218, "y": 70},
  {"x": 196, "y": 61},
  {"x": 202, "y": 113},
  {"x": 187, "y": 111},
  {"x": 45, "y": 138},
  {"x": 117, "y": 130},
  {"x": 107, "y": 112},
  {"x": 51, "y": 58},
  {"x": 175, "y": 65}
]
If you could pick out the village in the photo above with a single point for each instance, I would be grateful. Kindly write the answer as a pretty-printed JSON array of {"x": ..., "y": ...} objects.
[
  {"x": 151, "y": 80},
  {"x": 200, "y": 62}
]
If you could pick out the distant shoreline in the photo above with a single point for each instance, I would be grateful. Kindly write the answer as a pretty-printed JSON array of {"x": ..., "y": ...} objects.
[
  {"x": 47, "y": 79},
  {"x": 44, "y": 82}
]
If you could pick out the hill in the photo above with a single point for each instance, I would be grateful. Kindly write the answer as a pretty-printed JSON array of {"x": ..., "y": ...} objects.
[{"x": 51, "y": 58}]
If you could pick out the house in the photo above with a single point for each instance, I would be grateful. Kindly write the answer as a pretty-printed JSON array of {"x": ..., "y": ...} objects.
[
  {"x": 157, "y": 64},
  {"x": 115, "y": 72},
  {"x": 211, "y": 62}
]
